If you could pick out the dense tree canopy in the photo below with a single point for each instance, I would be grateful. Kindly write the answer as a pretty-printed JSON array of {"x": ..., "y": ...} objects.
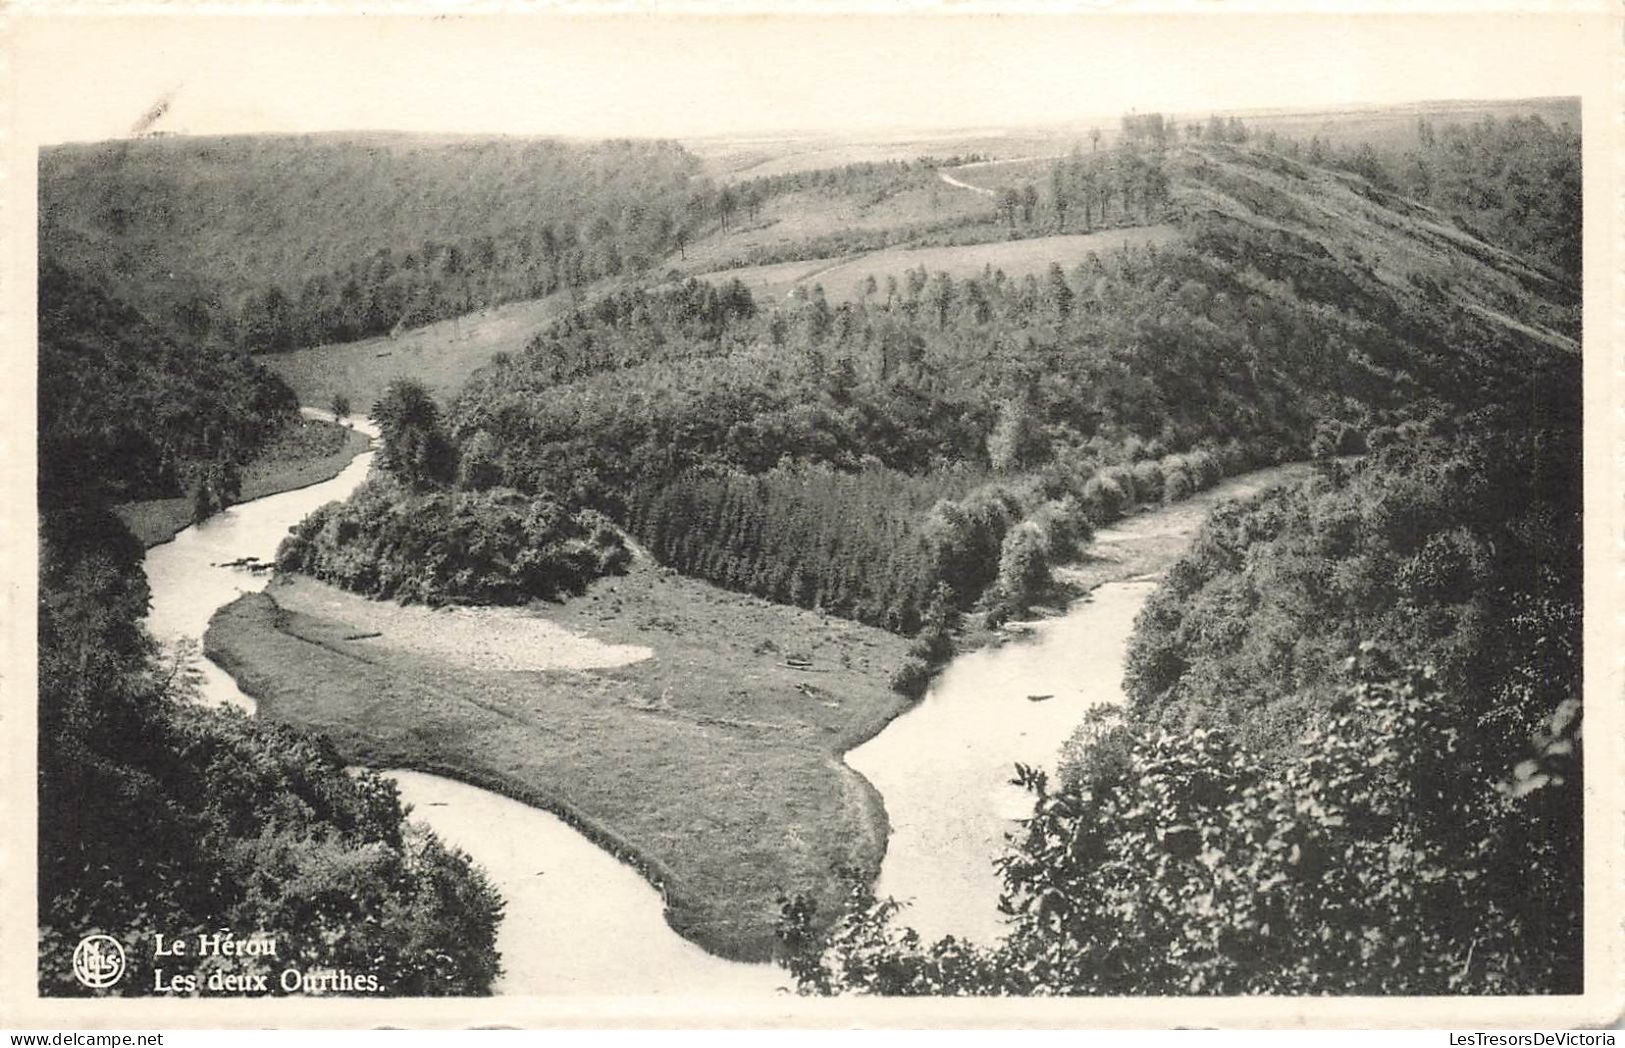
[{"x": 271, "y": 242}]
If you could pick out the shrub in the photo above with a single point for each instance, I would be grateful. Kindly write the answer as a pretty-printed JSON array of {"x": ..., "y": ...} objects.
[
  {"x": 1066, "y": 528},
  {"x": 1184, "y": 864},
  {"x": 1104, "y": 499},
  {"x": 1148, "y": 480},
  {"x": 1233, "y": 458},
  {"x": 911, "y": 679},
  {"x": 1328, "y": 435},
  {"x": 1023, "y": 567},
  {"x": 416, "y": 449},
  {"x": 1205, "y": 468},
  {"x": 1178, "y": 485}
]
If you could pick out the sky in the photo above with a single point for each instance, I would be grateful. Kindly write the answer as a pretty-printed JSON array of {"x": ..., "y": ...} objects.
[{"x": 93, "y": 77}]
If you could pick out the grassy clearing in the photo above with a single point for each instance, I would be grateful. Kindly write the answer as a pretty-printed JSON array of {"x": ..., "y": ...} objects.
[
  {"x": 734, "y": 157},
  {"x": 309, "y": 452},
  {"x": 712, "y": 766},
  {"x": 810, "y": 214},
  {"x": 843, "y": 279},
  {"x": 441, "y": 355},
  {"x": 994, "y": 175}
]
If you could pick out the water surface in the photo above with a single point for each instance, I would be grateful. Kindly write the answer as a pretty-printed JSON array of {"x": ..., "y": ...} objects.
[{"x": 944, "y": 767}]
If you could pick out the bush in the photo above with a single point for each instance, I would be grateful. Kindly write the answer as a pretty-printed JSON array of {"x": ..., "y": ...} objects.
[
  {"x": 1148, "y": 480},
  {"x": 1328, "y": 436},
  {"x": 480, "y": 467},
  {"x": 912, "y": 678},
  {"x": 934, "y": 644},
  {"x": 1382, "y": 437},
  {"x": 1178, "y": 486},
  {"x": 1104, "y": 499},
  {"x": 1023, "y": 567},
  {"x": 1066, "y": 528}
]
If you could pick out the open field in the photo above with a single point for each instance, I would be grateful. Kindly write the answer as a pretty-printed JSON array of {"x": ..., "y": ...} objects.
[
  {"x": 732, "y": 158},
  {"x": 843, "y": 279},
  {"x": 809, "y": 214},
  {"x": 311, "y": 452},
  {"x": 992, "y": 176},
  {"x": 441, "y": 355},
  {"x": 1395, "y": 125},
  {"x": 712, "y": 764}
]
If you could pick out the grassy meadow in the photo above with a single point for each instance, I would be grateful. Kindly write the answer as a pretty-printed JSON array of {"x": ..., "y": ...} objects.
[
  {"x": 441, "y": 355},
  {"x": 713, "y": 765},
  {"x": 843, "y": 279}
]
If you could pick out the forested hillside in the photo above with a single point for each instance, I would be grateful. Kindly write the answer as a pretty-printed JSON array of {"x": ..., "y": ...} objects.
[
  {"x": 128, "y": 411},
  {"x": 1351, "y": 759},
  {"x": 157, "y": 815},
  {"x": 269, "y": 242},
  {"x": 1457, "y": 550},
  {"x": 1515, "y": 181},
  {"x": 735, "y": 437}
]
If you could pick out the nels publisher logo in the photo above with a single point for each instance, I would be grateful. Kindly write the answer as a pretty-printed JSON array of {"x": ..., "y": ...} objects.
[{"x": 98, "y": 961}]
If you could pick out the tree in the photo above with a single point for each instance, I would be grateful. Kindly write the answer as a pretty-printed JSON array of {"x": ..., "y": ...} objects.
[
  {"x": 416, "y": 449},
  {"x": 341, "y": 406},
  {"x": 1017, "y": 441},
  {"x": 1009, "y": 204},
  {"x": 1060, "y": 292},
  {"x": 727, "y": 203},
  {"x": 1059, "y": 193}
]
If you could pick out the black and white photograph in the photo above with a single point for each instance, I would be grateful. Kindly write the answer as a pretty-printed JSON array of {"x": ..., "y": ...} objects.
[{"x": 781, "y": 512}]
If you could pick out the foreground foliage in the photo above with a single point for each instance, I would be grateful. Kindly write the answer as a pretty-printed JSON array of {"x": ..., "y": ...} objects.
[
  {"x": 1389, "y": 859},
  {"x": 159, "y": 816}
]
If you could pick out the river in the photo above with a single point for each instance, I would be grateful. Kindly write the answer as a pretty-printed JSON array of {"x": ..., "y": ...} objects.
[{"x": 944, "y": 767}]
